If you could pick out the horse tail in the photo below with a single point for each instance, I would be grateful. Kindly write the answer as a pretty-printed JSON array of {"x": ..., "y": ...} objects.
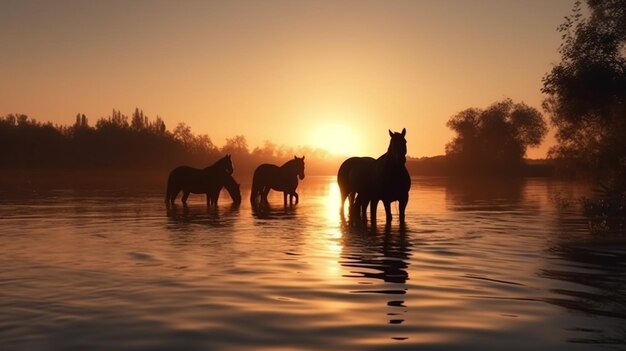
[{"x": 343, "y": 176}]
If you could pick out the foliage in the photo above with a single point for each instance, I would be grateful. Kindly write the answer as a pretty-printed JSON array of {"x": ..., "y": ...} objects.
[
  {"x": 494, "y": 140},
  {"x": 587, "y": 92},
  {"x": 117, "y": 141}
]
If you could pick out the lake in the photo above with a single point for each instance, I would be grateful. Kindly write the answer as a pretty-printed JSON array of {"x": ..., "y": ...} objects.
[{"x": 487, "y": 265}]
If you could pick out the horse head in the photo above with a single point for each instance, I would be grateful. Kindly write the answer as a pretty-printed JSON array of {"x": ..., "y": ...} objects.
[
  {"x": 397, "y": 146},
  {"x": 299, "y": 166},
  {"x": 227, "y": 163},
  {"x": 233, "y": 188}
]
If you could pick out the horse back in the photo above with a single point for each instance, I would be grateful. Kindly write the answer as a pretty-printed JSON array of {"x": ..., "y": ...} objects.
[
  {"x": 354, "y": 174},
  {"x": 269, "y": 175},
  {"x": 190, "y": 179}
]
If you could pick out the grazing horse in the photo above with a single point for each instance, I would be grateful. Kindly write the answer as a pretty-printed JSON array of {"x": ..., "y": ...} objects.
[
  {"x": 228, "y": 182},
  {"x": 354, "y": 177},
  {"x": 208, "y": 180},
  {"x": 283, "y": 178},
  {"x": 390, "y": 178}
]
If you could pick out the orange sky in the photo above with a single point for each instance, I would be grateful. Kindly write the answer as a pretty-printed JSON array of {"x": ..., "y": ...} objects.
[{"x": 333, "y": 74}]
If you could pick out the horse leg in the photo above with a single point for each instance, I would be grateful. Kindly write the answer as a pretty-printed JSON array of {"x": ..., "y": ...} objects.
[
  {"x": 185, "y": 196},
  {"x": 387, "y": 205},
  {"x": 403, "y": 202},
  {"x": 352, "y": 197},
  {"x": 173, "y": 196},
  {"x": 296, "y": 196},
  {"x": 266, "y": 191},
  {"x": 363, "y": 207},
  {"x": 285, "y": 198},
  {"x": 355, "y": 205},
  {"x": 343, "y": 195},
  {"x": 373, "y": 207},
  {"x": 253, "y": 194}
]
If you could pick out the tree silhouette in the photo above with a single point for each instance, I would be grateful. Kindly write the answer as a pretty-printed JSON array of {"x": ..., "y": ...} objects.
[
  {"x": 117, "y": 142},
  {"x": 494, "y": 140},
  {"x": 237, "y": 145},
  {"x": 587, "y": 91}
]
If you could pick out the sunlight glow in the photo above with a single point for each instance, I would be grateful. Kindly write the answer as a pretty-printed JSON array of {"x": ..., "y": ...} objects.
[
  {"x": 336, "y": 138},
  {"x": 332, "y": 238},
  {"x": 331, "y": 204}
]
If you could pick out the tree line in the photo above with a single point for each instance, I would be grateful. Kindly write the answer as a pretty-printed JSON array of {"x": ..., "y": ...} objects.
[{"x": 119, "y": 141}]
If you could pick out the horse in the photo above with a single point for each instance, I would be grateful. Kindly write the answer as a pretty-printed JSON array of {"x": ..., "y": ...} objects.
[
  {"x": 353, "y": 178},
  {"x": 283, "y": 178},
  {"x": 207, "y": 181},
  {"x": 228, "y": 182},
  {"x": 390, "y": 178}
]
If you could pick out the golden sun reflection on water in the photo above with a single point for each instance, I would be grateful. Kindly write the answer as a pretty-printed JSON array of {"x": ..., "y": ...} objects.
[
  {"x": 331, "y": 204},
  {"x": 332, "y": 234}
]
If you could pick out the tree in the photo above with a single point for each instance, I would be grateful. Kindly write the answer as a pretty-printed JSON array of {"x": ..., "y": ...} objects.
[
  {"x": 267, "y": 152},
  {"x": 587, "y": 91},
  {"x": 494, "y": 139},
  {"x": 139, "y": 121},
  {"x": 237, "y": 145}
]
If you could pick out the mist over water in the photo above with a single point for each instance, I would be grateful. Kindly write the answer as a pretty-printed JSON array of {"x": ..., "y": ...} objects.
[{"x": 481, "y": 266}]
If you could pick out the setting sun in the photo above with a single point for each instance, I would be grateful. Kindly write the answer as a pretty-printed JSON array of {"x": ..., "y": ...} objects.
[{"x": 336, "y": 138}]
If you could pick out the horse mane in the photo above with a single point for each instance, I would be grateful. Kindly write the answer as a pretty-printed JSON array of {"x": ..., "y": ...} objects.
[
  {"x": 219, "y": 161},
  {"x": 290, "y": 163}
]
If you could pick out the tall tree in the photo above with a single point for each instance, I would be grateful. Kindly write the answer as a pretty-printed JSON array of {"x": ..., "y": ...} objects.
[
  {"x": 587, "y": 91},
  {"x": 494, "y": 140}
]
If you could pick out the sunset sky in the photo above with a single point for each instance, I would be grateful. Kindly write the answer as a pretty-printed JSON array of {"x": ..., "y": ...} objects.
[{"x": 332, "y": 74}]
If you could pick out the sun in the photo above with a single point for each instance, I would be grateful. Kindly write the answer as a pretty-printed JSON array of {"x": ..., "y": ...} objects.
[{"x": 336, "y": 138}]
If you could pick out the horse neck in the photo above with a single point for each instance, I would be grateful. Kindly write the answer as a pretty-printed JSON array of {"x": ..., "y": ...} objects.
[
  {"x": 388, "y": 160},
  {"x": 217, "y": 165},
  {"x": 229, "y": 184},
  {"x": 290, "y": 167}
]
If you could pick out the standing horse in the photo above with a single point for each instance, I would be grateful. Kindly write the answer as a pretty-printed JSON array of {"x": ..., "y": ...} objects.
[
  {"x": 198, "y": 181},
  {"x": 390, "y": 178},
  {"x": 228, "y": 182},
  {"x": 354, "y": 177},
  {"x": 283, "y": 178}
]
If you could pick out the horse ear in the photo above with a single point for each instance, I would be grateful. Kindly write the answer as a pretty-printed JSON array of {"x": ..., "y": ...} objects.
[
  {"x": 302, "y": 157},
  {"x": 390, "y": 133},
  {"x": 295, "y": 157},
  {"x": 403, "y": 131}
]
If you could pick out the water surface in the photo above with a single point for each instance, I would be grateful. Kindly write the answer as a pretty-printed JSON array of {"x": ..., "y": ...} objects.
[{"x": 480, "y": 266}]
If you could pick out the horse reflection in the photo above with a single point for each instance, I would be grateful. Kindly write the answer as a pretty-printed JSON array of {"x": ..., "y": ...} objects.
[
  {"x": 284, "y": 178},
  {"x": 372, "y": 257},
  {"x": 212, "y": 216},
  {"x": 269, "y": 212}
]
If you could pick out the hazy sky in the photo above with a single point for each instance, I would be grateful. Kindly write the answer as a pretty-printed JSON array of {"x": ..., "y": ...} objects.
[{"x": 334, "y": 74}]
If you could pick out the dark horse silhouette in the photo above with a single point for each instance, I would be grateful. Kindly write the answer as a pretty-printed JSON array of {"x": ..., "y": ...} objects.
[
  {"x": 228, "y": 182},
  {"x": 209, "y": 181},
  {"x": 283, "y": 178},
  {"x": 390, "y": 178},
  {"x": 365, "y": 180},
  {"x": 354, "y": 178}
]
